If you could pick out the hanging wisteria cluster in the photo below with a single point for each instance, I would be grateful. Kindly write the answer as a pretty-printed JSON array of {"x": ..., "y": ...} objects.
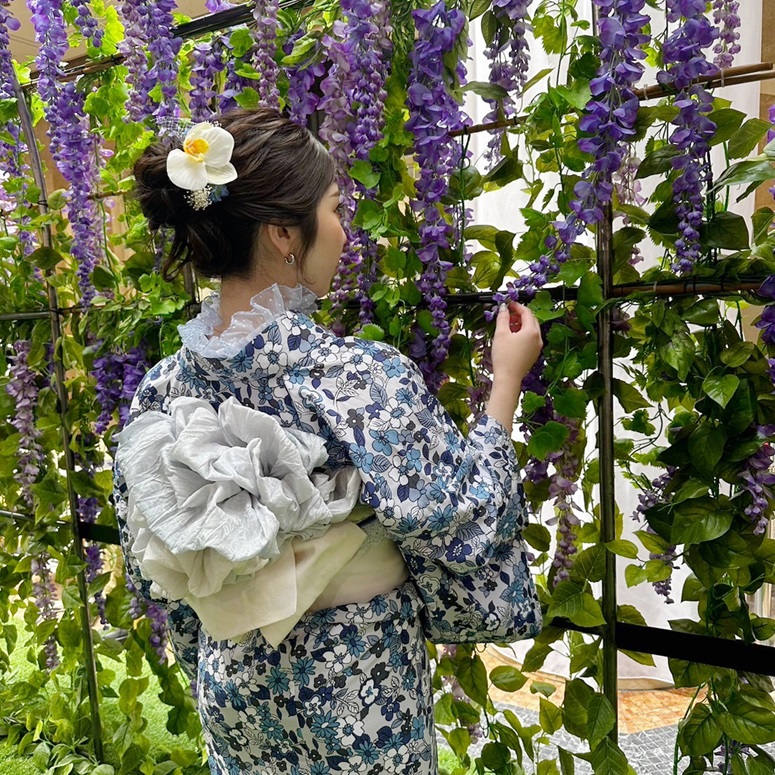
[
  {"x": 22, "y": 388},
  {"x": 265, "y": 34},
  {"x": 151, "y": 55},
  {"x": 608, "y": 125},
  {"x": 45, "y": 595},
  {"x": 118, "y": 376},
  {"x": 757, "y": 481},
  {"x": 207, "y": 64},
  {"x": 73, "y": 147},
  {"x": 353, "y": 106},
  {"x": 727, "y": 18},
  {"x": 433, "y": 114},
  {"x": 684, "y": 60},
  {"x": 509, "y": 56}
]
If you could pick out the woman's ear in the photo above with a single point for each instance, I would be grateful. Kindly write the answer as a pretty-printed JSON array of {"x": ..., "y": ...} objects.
[{"x": 280, "y": 238}]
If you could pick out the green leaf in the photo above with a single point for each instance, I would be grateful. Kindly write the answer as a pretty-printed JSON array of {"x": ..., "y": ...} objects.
[
  {"x": 507, "y": 679},
  {"x": 575, "y": 706},
  {"x": 727, "y": 122},
  {"x": 548, "y": 438},
  {"x": 726, "y": 231},
  {"x": 363, "y": 172},
  {"x": 747, "y": 721},
  {"x": 623, "y": 548},
  {"x": 572, "y": 602},
  {"x": 495, "y": 756},
  {"x": 589, "y": 564},
  {"x": 572, "y": 403},
  {"x": 634, "y": 575},
  {"x": 747, "y": 137},
  {"x": 706, "y": 446},
  {"x": 754, "y": 171},
  {"x": 698, "y": 520},
  {"x": 537, "y": 536},
  {"x": 608, "y": 759},
  {"x": 630, "y": 399},
  {"x": 679, "y": 353},
  {"x": 690, "y": 489},
  {"x": 720, "y": 388},
  {"x": 687, "y": 674},
  {"x": 486, "y": 90},
  {"x": 45, "y": 258},
  {"x": 472, "y": 675},
  {"x": 248, "y": 99},
  {"x": 700, "y": 733},
  {"x": 532, "y": 402},
  {"x": 478, "y": 7},
  {"x": 567, "y": 765},
  {"x": 704, "y": 313},
  {"x": 600, "y": 719},
  {"x": 657, "y": 162},
  {"x": 373, "y": 332},
  {"x": 549, "y": 716},
  {"x": 737, "y": 354}
]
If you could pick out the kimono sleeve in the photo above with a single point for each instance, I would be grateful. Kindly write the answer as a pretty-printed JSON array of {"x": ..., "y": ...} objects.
[
  {"x": 183, "y": 625},
  {"x": 443, "y": 496}
]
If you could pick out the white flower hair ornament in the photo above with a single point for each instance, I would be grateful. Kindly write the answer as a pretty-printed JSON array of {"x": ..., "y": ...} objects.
[{"x": 203, "y": 166}]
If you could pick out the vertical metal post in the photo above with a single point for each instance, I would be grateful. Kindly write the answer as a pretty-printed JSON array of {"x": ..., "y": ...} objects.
[
  {"x": 90, "y": 665},
  {"x": 605, "y": 443}
]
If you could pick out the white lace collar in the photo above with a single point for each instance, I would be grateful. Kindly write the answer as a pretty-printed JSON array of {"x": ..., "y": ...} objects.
[{"x": 197, "y": 334}]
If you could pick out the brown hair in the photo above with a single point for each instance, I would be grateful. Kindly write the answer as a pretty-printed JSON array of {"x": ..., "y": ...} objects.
[{"x": 283, "y": 171}]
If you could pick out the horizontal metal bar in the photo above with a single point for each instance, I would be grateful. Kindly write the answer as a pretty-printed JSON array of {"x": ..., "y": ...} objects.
[{"x": 703, "y": 649}]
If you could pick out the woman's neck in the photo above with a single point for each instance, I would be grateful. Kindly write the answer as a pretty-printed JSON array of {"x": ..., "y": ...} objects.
[{"x": 236, "y": 293}]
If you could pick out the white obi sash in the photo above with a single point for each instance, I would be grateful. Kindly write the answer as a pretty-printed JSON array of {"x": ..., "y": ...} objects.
[{"x": 227, "y": 511}]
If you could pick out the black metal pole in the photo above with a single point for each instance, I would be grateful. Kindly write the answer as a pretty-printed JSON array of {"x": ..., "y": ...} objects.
[
  {"x": 605, "y": 444},
  {"x": 90, "y": 666}
]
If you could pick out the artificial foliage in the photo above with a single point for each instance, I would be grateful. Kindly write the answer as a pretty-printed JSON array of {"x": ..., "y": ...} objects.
[{"x": 384, "y": 84}]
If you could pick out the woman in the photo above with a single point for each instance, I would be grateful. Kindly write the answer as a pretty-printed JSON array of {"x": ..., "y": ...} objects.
[{"x": 313, "y": 660}]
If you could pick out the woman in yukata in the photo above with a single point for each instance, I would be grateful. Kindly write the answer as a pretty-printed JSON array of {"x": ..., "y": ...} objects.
[{"x": 301, "y": 505}]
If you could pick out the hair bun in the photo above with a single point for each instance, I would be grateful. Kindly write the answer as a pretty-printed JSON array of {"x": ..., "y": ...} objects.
[{"x": 162, "y": 202}]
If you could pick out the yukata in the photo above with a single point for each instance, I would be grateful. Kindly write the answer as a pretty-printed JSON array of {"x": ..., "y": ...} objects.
[{"x": 349, "y": 689}]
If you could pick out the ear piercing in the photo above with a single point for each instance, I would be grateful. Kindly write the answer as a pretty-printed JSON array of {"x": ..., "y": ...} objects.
[{"x": 290, "y": 259}]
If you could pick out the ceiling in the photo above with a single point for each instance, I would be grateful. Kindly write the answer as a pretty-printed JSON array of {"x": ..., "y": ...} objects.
[{"x": 24, "y": 47}]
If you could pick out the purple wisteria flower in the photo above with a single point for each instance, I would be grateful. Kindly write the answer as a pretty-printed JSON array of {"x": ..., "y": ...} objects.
[
  {"x": 87, "y": 23},
  {"x": 148, "y": 39},
  {"x": 22, "y": 388},
  {"x": 13, "y": 168},
  {"x": 685, "y": 61},
  {"x": 647, "y": 499},
  {"x": 433, "y": 114},
  {"x": 118, "y": 376},
  {"x": 758, "y": 481},
  {"x": 727, "y": 18},
  {"x": 73, "y": 147},
  {"x": 94, "y": 565},
  {"x": 509, "y": 56},
  {"x": 157, "y": 616},
  {"x": 353, "y": 106},
  {"x": 264, "y": 51},
  {"x": 45, "y": 594},
  {"x": 302, "y": 98},
  {"x": 450, "y": 684},
  {"x": 208, "y": 63},
  {"x": 609, "y": 124}
]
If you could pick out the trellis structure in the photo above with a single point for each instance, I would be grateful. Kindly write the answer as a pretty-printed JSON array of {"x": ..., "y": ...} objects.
[{"x": 616, "y": 635}]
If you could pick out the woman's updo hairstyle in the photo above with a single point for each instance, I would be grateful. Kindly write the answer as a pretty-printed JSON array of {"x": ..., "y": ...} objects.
[{"x": 283, "y": 172}]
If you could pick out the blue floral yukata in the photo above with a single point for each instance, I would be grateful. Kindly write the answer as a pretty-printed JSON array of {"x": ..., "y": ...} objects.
[{"x": 349, "y": 690}]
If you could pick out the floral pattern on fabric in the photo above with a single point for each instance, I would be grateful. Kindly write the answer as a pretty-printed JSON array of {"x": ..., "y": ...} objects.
[{"x": 454, "y": 507}]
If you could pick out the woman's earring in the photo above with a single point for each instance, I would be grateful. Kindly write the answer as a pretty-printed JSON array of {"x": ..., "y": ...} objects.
[{"x": 290, "y": 259}]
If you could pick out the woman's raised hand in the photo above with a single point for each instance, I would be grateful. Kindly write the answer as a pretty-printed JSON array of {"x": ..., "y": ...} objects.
[{"x": 515, "y": 347}]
